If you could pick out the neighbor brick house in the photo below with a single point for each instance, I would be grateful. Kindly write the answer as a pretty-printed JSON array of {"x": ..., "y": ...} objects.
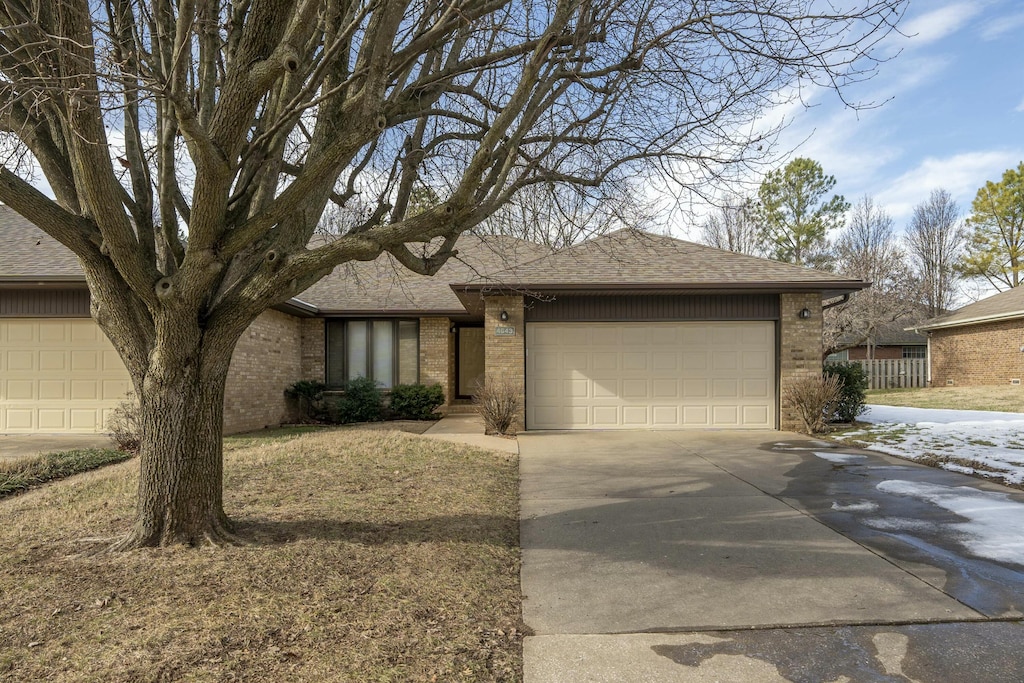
[
  {"x": 629, "y": 330},
  {"x": 890, "y": 341},
  {"x": 979, "y": 344}
]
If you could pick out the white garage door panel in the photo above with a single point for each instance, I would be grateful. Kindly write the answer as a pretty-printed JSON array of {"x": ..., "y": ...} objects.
[
  {"x": 57, "y": 376},
  {"x": 650, "y": 375}
]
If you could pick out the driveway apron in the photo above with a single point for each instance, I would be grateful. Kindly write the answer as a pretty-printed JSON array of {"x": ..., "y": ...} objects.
[{"x": 719, "y": 555}]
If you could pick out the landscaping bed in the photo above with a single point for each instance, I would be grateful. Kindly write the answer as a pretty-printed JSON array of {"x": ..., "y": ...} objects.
[{"x": 374, "y": 556}]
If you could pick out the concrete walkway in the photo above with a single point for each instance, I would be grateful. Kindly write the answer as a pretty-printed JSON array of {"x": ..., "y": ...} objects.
[
  {"x": 679, "y": 556},
  {"x": 468, "y": 428}
]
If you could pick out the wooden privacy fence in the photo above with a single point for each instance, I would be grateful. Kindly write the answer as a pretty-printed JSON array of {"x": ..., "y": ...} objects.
[{"x": 895, "y": 373}]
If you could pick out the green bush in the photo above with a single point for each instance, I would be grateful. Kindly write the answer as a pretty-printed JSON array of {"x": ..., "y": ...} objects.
[
  {"x": 416, "y": 401},
  {"x": 361, "y": 402},
  {"x": 309, "y": 397},
  {"x": 853, "y": 385}
]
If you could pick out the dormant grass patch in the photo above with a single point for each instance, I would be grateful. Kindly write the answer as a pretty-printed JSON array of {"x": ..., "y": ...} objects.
[{"x": 374, "y": 556}]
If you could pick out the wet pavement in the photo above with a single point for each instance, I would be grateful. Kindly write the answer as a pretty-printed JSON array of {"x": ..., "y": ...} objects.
[
  {"x": 856, "y": 498},
  {"x": 678, "y": 556}
]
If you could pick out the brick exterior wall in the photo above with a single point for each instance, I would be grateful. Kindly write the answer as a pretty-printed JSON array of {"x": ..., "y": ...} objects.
[
  {"x": 314, "y": 356},
  {"x": 437, "y": 355},
  {"x": 881, "y": 353},
  {"x": 799, "y": 349},
  {"x": 987, "y": 354},
  {"x": 505, "y": 357},
  {"x": 267, "y": 359}
]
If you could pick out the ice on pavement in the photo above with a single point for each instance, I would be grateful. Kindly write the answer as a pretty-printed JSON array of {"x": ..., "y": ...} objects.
[
  {"x": 995, "y": 526},
  {"x": 863, "y": 506},
  {"x": 840, "y": 458}
]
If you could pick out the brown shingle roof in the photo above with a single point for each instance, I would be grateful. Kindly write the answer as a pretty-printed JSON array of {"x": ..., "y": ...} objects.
[
  {"x": 29, "y": 254},
  {"x": 385, "y": 286},
  {"x": 1003, "y": 306},
  {"x": 634, "y": 259}
]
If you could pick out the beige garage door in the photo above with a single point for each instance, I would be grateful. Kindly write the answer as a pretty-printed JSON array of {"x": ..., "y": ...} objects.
[
  {"x": 650, "y": 375},
  {"x": 57, "y": 376}
]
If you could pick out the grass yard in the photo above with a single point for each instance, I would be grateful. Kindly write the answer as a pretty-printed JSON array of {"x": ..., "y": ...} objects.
[
  {"x": 376, "y": 556},
  {"x": 1005, "y": 398}
]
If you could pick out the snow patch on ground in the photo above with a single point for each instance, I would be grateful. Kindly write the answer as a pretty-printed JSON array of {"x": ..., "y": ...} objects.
[
  {"x": 985, "y": 443},
  {"x": 840, "y": 458},
  {"x": 877, "y": 414},
  {"x": 995, "y": 526}
]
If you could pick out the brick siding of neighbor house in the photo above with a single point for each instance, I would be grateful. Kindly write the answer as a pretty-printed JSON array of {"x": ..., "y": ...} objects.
[
  {"x": 436, "y": 354},
  {"x": 314, "y": 351},
  {"x": 986, "y": 354},
  {"x": 505, "y": 356},
  {"x": 881, "y": 353},
  {"x": 800, "y": 349},
  {"x": 267, "y": 359}
]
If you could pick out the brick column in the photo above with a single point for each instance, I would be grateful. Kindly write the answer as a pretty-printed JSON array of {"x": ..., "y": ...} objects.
[
  {"x": 437, "y": 355},
  {"x": 505, "y": 356},
  {"x": 313, "y": 350},
  {"x": 799, "y": 349}
]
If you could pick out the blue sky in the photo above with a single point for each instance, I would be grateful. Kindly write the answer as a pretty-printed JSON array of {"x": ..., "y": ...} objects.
[{"x": 955, "y": 118}]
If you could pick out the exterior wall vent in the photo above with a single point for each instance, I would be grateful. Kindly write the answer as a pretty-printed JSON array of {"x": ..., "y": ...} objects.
[
  {"x": 949, "y": 382},
  {"x": 1015, "y": 382}
]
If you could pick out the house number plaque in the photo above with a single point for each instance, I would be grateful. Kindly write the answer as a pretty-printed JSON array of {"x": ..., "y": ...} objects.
[{"x": 504, "y": 331}]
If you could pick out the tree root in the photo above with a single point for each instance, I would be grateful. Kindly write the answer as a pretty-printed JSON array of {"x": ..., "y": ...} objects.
[{"x": 217, "y": 533}]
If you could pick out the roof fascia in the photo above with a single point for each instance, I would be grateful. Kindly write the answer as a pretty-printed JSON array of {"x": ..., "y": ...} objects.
[{"x": 977, "y": 320}]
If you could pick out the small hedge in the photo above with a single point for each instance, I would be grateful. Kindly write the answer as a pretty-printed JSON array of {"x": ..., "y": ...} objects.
[
  {"x": 23, "y": 474},
  {"x": 853, "y": 382},
  {"x": 416, "y": 401},
  {"x": 361, "y": 402}
]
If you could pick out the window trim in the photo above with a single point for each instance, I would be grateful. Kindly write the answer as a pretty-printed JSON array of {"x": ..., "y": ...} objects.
[
  {"x": 917, "y": 348},
  {"x": 342, "y": 323}
]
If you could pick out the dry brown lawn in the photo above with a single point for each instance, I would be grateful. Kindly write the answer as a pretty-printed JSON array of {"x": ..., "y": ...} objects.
[
  {"x": 1006, "y": 398},
  {"x": 375, "y": 556}
]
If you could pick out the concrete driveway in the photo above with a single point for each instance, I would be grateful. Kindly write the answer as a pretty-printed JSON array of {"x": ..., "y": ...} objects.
[
  {"x": 752, "y": 556},
  {"x": 16, "y": 446}
]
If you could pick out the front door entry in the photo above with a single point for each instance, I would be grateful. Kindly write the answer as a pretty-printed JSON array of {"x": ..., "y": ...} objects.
[{"x": 471, "y": 359}]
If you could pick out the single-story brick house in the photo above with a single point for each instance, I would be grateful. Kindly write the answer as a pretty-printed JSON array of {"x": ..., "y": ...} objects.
[
  {"x": 891, "y": 341},
  {"x": 628, "y": 330},
  {"x": 979, "y": 344}
]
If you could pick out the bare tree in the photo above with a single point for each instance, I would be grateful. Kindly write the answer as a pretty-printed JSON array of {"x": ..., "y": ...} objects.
[
  {"x": 935, "y": 240},
  {"x": 733, "y": 226},
  {"x": 869, "y": 250},
  {"x": 558, "y": 215},
  {"x": 239, "y": 122}
]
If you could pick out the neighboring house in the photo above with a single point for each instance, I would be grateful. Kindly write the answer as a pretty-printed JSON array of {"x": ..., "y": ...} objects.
[
  {"x": 629, "y": 330},
  {"x": 979, "y": 344},
  {"x": 889, "y": 342}
]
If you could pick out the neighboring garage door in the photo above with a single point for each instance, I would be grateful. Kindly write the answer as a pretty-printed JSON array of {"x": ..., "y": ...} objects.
[
  {"x": 57, "y": 376},
  {"x": 650, "y": 375}
]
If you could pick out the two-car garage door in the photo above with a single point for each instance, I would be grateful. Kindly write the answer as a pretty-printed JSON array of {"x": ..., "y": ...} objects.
[
  {"x": 57, "y": 375},
  {"x": 650, "y": 375}
]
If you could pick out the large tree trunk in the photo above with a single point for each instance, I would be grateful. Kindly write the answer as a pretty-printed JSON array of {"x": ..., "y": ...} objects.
[{"x": 181, "y": 408}]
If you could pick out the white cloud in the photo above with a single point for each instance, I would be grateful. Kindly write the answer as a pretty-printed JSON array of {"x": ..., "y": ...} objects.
[
  {"x": 1000, "y": 26},
  {"x": 1019, "y": 107},
  {"x": 937, "y": 24},
  {"x": 960, "y": 174}
]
